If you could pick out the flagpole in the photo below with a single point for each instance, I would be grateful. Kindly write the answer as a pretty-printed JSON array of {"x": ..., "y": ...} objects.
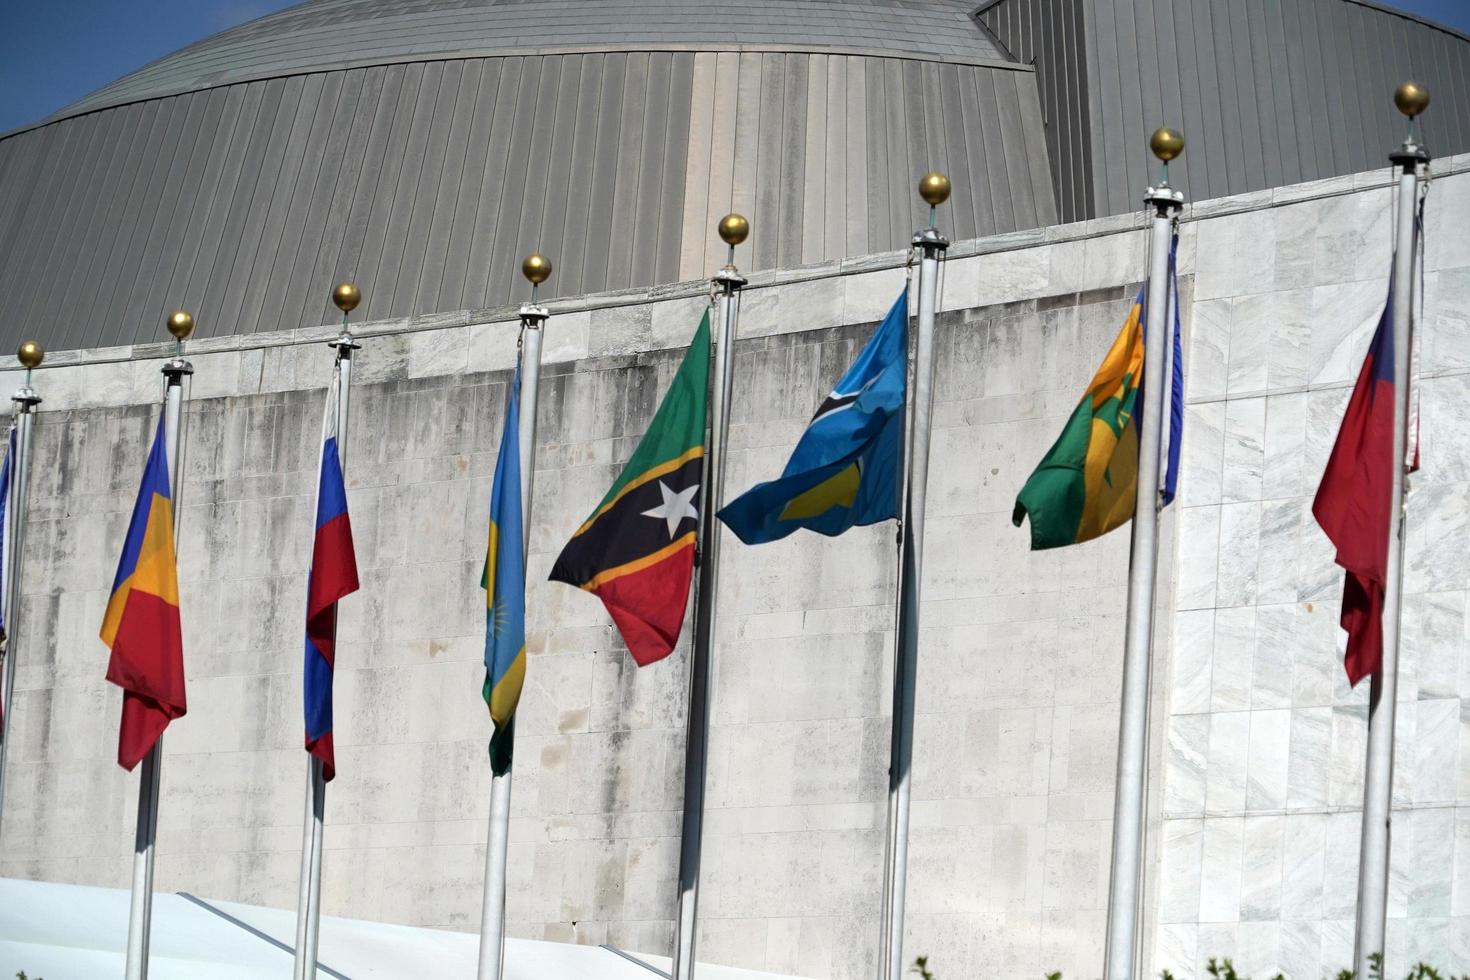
[
  {"x": 1373, "y": 859},
  {"x": 537, "y": 269},
  {"x": 1125, "y": 878},
  {"x": 140, "y": 912},
  {"x": 733, "y": 229},
  {"x": 30, "y": 356},
  {"x": 934, "y": 188},
  {"x": 345, "y": 297}
]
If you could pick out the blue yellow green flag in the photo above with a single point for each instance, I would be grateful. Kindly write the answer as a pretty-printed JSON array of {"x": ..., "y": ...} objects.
[{"x": 504, "y": 582}]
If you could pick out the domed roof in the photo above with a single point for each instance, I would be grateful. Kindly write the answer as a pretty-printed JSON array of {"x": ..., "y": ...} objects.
[{"x": 333, "y": 34}]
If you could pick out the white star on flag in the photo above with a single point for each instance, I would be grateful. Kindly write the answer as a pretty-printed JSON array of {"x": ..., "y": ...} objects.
[{"x": 676, "y": 506}]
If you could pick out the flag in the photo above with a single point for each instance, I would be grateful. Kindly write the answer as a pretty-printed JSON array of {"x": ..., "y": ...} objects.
[
  {"x": 636, "y": 550},
  {"x": 1086, "y": 484},
  {"x": 5, "y": 558},
  {"x": 844, "y": 471},
  {"x": 141, "y": 625},
  {"x": 1355, "y": 500},
  {"x": 333, "y": 574},
  {"x": 504, "y": 582}
]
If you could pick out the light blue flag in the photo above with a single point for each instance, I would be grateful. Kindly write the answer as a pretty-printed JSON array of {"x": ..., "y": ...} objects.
[
  {"x": 844, "y": 471},
  {"x": 504, "y": 582}
]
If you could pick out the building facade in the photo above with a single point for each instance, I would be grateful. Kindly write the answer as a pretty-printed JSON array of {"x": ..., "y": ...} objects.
[{"x": 1257, "y": 744}]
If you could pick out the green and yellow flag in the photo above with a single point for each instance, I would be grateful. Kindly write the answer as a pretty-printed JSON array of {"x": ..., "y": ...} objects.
[{"x": 1086, "y": 483}]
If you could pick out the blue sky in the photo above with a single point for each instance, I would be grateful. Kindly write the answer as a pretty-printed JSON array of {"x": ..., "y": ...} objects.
[{"x": 53, "y": 52}]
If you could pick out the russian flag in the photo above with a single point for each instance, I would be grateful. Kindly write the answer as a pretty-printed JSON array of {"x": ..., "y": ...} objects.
[
  {"x": 1355, "y": 500},
  {"x": 333, "y": 575}
]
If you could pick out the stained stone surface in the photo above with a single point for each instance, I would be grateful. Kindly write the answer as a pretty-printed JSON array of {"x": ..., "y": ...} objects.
[{"x": 1257, "y": 744}]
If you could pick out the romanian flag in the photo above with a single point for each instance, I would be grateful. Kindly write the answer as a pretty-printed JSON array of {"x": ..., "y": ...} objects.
[
  {"x": 1354, "y": 502},
  {"x": 333, "y": 575},
  {"x": 844, "y": 471},
  {"x": 504, "y": 582},
  {"x": 636, "y": 550},
  {"x": 142, "y": 621},
  {"x": 1087, "y": 482}
]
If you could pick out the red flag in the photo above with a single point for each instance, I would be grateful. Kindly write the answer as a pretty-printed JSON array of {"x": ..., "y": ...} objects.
[{"x": 1354, "y": 501}]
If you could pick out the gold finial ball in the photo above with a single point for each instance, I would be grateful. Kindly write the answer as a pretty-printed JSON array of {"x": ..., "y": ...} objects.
[
  {"x": 181, "y": 324},
  {"x": 934, "y": 188},
  {"x": 1166, "y": 143},
  {"x": 1411, "y": 98},
  {"x": 536, "y": 268},
  {"x": 31, "y": 354},
  {"x": 346, "y": 297},
  {"x": 734, "y": 229}
]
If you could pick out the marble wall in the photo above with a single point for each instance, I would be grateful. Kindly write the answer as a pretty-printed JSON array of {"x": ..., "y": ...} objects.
[{"x": 1258, "y": 745}]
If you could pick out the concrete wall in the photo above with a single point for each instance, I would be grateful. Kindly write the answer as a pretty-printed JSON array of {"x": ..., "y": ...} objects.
[{"x": 1257, "y": 753}]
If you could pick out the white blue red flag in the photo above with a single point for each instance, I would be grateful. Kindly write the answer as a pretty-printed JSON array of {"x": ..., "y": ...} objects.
[{"x": 333, "y": 575}]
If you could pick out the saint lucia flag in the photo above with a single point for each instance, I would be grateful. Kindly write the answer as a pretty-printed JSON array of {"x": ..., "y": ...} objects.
[
  {"x": 504, "y": 582},
  {"x": 844, "y": 471}
]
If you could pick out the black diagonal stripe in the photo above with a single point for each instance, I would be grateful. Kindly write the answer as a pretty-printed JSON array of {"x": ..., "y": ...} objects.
[
  {"x": 833, "y": 402},
  {"x": 623, "y": 533}
]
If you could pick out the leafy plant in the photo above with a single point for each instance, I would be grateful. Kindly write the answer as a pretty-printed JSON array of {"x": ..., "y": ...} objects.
[{"x": 921, "y": 967}]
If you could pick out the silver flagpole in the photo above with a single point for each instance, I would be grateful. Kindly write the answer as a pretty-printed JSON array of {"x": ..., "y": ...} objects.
[
  {"x": 537, "y": 269},
  {"x": 345, "y": 296},
  {"x": 140, "y": 912},
  {"x": 1373, "y": 856},
  {"x": 30, "y": 355},
  {"x": 1126, "y": 876},
  {"x": 727, "y": 283},
  {"x": 934, "y": 188}
]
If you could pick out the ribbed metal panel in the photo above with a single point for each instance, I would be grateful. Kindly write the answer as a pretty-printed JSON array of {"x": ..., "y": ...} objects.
[
  {"x": 340, "y": 33},
  {"x": 1267, "y": 92},
  {"x": 425, "y": 183},
  {"x": 1048, "y": 34}
]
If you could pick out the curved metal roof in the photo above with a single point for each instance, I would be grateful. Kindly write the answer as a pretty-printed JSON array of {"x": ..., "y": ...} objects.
[{"x": 324, "y": 34}]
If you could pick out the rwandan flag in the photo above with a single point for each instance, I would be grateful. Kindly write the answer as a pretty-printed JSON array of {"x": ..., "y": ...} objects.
[
  {"x": 844, "y": 470},
  {"x": 1087, "y": 482},
  {"x": 1354, "y": 503},
  {"x": 141, "y": 625},
  {"x": 333, "y": 575},
  {"x": 504, "y": 582},
  {"x": 636, "y": 550}
]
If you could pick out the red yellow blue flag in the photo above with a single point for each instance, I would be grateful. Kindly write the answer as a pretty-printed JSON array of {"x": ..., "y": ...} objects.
[{"x": 141, "y": 625}]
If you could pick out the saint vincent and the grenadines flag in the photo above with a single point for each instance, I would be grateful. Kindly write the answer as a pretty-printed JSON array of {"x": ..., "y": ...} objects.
[
  {"x": 636, "y": 551},
  {"x": 504, "y": 582},
  {"x": 141, "y": 625},
  {"x": 844, "y": 471},
  {"x": 332, "y": 576},
  {"x": 1087, "y": 482}
]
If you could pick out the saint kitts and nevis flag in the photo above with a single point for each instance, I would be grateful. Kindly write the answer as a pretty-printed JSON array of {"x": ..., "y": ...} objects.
[
  {"x": 636, "y": 550},
  {"x": 141, "y": 625},
  {"x": 1087, "y": 482},
  {"x": 333, "y": 575},
  {"x": 504, "y": 582},
  {"x": 844, "y": 471}
]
